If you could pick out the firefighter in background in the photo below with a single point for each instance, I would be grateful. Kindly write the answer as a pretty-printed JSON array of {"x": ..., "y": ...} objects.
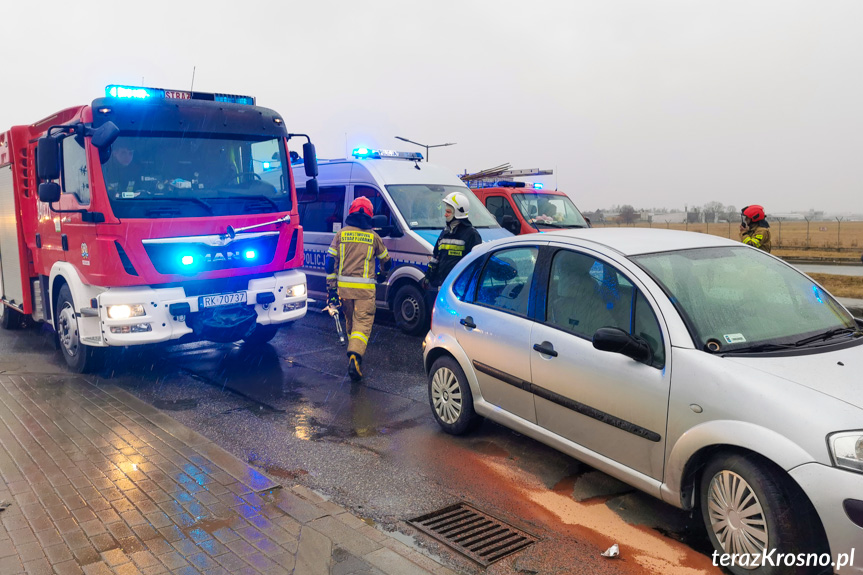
[
  {"x": 456, "y": 240},
  {"x": 754, "y": 229},
  {"x": 351, "y": 278}
]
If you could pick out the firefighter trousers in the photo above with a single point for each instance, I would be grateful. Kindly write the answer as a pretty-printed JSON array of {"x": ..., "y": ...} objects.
[{"x": 359, "y": 317}]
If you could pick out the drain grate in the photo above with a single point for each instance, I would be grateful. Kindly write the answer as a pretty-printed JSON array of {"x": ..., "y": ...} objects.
[{"x": 479, "y": 536}]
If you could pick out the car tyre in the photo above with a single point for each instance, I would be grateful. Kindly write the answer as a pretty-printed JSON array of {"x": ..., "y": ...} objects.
[
  {"x": 450, "y": 397},
  {"x": 10, "y": 318},
  {"x": 262, "y": 334},
  {"x": 745, "y": 502},
  {"x": 79, "y": 357},
  {"x": 411, "y": 310}
]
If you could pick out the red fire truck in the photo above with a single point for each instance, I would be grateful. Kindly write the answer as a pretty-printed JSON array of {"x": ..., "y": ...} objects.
[{"x": 151, "y": 215}]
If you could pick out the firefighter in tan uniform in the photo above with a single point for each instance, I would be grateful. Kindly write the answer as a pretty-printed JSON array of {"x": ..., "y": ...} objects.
[
  {"x": 754, "y": 229},
  {"x": 351, "y": 278}
]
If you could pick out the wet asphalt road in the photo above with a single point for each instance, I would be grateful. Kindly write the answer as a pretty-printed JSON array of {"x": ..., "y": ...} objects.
[{"x": 289, "y": 408}]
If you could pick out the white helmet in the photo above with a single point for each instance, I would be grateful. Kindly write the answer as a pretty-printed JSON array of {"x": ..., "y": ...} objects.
[{"x": 459, "y": 204}]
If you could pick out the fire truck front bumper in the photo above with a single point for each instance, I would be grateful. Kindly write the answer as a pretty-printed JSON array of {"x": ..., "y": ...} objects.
[{"x": 142, "y": 314}]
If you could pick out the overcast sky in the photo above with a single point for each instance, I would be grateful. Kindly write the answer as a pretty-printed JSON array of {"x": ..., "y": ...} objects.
[{"x": 649, "y": 103}]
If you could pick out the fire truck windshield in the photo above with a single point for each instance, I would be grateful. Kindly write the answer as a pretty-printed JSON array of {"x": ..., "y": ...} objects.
[
  {"x": 423, "y": 209},
  {"x": 550, "y": 210},
  {"x": 196, "y": 175}
]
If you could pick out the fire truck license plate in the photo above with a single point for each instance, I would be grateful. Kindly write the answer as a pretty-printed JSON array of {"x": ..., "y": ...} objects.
[{"x": 221, "y": 299}]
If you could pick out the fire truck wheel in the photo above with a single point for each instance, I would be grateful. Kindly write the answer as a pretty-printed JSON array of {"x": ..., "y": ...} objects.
[
  {"x": 9, "y": 318},
  {"x": 79, "y": 357},
  {"x": 411, "y": 310},
  {"x": 262, "y": 334}
]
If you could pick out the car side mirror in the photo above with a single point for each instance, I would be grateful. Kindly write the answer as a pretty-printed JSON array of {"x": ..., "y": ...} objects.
[
  {"x": 616, "y": 340},
  {"x": 310, "y": 194},
  {"x": 49, "y": 192},
  {"x": 380, "y": 223},
  {"x": 310, "y": 160},
  {"x": 105, "y": 135},
  {"x": 511, "y": 224},
  {"x": 48, "y": 158}
]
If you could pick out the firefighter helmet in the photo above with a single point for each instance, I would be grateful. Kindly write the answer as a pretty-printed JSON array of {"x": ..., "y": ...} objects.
[
  {"x": 459, "y": 204},
  {"x": 361, "y": 203},
  {"x": 754, "y": 213}
]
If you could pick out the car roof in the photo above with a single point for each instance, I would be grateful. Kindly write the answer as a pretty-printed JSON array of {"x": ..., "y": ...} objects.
[{"x": 636, "y": 241}]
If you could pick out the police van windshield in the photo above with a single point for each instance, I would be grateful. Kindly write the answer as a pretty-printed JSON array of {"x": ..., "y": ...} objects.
[
  {"x": 173, "y": 176},
  {"x": 422, "y": 207},
  {"x": 550, "y": 210}
]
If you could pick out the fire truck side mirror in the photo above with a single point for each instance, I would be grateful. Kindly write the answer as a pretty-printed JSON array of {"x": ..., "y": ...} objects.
[
  {"x": 48, "y": 158},
  {"x": 104, "y": 135},
  {"x": 49, "y": 192},
  {"x": 310, "y": 160}
]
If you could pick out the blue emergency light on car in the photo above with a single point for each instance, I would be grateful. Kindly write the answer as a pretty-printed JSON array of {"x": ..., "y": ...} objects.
[
  {"x": 537, "y": 186},
  {"x": 368, "y": 153},
  {"x": 142, "y": 93}
]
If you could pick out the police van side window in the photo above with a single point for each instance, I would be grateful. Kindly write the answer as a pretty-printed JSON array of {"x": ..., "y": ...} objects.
[
  {"x": 327, "y": 213},
  {"x": 75, "y": 175},
  {"x": 381, "y": 208}
]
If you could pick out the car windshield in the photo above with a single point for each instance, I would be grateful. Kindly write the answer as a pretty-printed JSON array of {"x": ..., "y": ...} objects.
[
  {"x": 173, "y": 176},
  {"x": 742, "y": 298},
  {"x": 422, "y": 208},
  {"x": 549, "y": 210}
]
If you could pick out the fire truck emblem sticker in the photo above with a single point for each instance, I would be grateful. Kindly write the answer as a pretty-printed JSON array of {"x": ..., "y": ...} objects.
[{"x": 85, "y": 254}]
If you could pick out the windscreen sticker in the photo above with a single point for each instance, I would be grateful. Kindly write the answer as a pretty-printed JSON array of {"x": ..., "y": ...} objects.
[{"x": 734, "y": 338}]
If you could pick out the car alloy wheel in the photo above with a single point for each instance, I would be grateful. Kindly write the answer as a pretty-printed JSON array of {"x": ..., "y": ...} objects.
[{"x": 736, "y": 515}]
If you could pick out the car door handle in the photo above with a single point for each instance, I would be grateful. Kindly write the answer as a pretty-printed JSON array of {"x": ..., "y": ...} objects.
[
  {"x": 545, "y": 348},
  {"x": 467, "y": 322}
]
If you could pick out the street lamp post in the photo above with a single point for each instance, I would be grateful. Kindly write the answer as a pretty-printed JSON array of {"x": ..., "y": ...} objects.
[{"x": 424, "y": 145}]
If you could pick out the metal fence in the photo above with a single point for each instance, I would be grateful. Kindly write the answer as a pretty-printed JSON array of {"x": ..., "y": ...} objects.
[{"x": 833, "y": 235}]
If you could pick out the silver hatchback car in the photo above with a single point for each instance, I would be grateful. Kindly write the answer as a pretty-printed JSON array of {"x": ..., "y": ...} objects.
[{"x": 704, "y": 372}]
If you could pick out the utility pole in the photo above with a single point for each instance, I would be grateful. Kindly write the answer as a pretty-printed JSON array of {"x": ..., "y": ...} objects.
[
  {"x": 838, "y": 232},
  {"x": 808, "y": 219}
]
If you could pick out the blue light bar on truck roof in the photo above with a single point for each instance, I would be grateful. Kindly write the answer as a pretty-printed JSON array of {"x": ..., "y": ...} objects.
[
  {"x": 368, "y": 153},
  {"x": 141, "y": 93}
]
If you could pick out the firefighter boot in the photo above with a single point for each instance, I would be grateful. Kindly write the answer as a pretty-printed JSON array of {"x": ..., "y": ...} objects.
[{"x": 355, "y": 360}]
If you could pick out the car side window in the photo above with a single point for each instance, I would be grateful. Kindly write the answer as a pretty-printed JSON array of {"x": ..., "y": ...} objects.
[
  {"x": 499, "y": 207},
  {"x": 506, "y": 278},
  {"x": 585, "y": 294},
  {"x": 646, "y": 327},
  {"x": 75, "y": 180},
  {"x": 461, "y": 286},
  {"x": 381, "y": 208},
  {"x": 327, "y": 213}
]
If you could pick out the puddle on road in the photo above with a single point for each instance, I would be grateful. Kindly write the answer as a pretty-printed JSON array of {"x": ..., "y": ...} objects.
[{"x": 209, "y": 524}]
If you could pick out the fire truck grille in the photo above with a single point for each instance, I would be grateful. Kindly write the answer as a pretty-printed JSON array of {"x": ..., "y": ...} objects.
[{"x": 191, "y": 258}]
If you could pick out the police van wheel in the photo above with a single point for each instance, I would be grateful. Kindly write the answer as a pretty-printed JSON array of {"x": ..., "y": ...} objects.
[
  {"x": 410, "y": 310},
  {"x": 9, "y": 318},
  {"x": 262, "y": 334},
  {"x": 79, "y": 357}
]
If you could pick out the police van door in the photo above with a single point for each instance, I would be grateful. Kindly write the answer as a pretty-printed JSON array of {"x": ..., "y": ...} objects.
[{"x": 321, "y": 220}]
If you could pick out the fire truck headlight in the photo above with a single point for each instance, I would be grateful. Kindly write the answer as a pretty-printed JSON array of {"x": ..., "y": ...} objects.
[
  {"x": 125, "y": 311},
  {"x": 296, "y": 291}
]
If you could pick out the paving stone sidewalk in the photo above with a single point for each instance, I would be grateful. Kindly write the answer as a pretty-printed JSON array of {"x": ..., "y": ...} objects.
[{"x": 100, "y": 482}]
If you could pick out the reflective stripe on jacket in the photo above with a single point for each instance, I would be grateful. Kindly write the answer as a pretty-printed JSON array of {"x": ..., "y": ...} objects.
[
  {"x": 354, "y": 251},
  {"x": 757, "y": 237}
]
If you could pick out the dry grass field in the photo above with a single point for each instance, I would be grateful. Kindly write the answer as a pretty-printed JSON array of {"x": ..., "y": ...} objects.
[
  {"x": 841, "y": 286},
  {"x": 829, "y": 240}
]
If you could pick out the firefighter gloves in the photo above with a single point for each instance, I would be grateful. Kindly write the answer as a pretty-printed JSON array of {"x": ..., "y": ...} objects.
[{"x": 333, "y": 297}]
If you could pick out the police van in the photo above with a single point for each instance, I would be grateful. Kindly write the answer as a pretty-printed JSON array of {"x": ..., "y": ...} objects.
[{"x": 406, "y": 194}]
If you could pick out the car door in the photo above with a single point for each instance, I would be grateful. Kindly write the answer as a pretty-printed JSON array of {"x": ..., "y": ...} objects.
[
  {"x": 604, "y": 401},
  {"x": 494, "y": 329}
]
